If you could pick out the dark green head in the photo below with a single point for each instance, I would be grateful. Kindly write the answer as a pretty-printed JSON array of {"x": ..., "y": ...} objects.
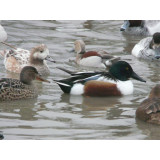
[{"x": 121, "y": 70}]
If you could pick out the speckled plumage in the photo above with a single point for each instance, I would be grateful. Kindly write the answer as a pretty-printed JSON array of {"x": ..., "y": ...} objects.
[
  {"x": 16, "y": 59},
  {"x": 13, "y": 89},
  {"x": 149, "y": 109}
]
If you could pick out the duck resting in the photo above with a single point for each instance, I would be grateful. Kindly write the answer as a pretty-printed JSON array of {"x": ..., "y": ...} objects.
[
  {"x": 92, "y": 58},
  {"x": 148, "y": 48}
]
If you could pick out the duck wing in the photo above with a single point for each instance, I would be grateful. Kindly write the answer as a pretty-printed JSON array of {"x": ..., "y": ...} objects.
[
  {"x": 10, "y": 83},
  {"x": 21, "y": 55},
  {"x": 151, "y": 105}
]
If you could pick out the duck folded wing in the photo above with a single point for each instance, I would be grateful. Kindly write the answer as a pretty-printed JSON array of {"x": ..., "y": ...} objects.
[
  {"x": 10, "y": 83},
  {"x": 153, "y": 105}
]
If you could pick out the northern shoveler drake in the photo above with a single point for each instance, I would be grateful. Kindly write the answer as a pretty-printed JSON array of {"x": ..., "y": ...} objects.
[
  {"x": 3, "y": 34},
  {"x": 92, "y": 58},
  {"x": 148, "y": 48},
  {"x": 14, "y": 89},
  {"x": 113, "y": 83},
  {"x": 15, "y": 59},
  {"x": 135, "y": 27},
  {"x": 149, "y": 109}
]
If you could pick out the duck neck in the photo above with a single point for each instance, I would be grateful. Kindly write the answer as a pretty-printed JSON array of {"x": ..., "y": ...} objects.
[
  {"x": 36, "y": 61},
  {"x": 79, "y": 55},
  {"x": 25, "y": 80}
]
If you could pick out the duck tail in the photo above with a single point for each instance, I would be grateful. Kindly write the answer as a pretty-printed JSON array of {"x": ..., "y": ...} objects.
[
  {"x": 110, "y": 61},
  {"x": 9, "y": 45},
  {"x": 66, "y": 70},
  {"x": 66, "y": 88}
]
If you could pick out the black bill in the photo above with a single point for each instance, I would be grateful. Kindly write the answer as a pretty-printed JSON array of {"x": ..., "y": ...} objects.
[{"x": 135, "y": 76}]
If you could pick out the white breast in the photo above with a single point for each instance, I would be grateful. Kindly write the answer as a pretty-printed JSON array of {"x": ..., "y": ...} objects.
[{"x": 125, "y": 87}]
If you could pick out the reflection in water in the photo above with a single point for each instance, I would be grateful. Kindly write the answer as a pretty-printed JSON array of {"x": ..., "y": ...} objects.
[
  {"x": 54, "y": 115},
  {"x": 151, "y": 131},
  {"x": 25, "y": 111},
  {"x": 91, "y": 106}
]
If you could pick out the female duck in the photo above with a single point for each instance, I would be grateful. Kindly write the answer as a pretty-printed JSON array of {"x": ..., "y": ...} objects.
[
  {"x": 14, "y": 89},
  {"x": 148, "y": 48},
  {"x": 15, "y": 59},
  {"x": 149, "y": 109},
  {"x": 113, "y": 83},
  {"x": 92, "y": 58}
]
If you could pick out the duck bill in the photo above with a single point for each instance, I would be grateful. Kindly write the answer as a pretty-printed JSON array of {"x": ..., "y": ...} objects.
[
  {"x": 125, "y": 25},
  {"x": 48, "y": 58},
  {"x": 135, "y": 76},
  {"x": 39, "y": 78}
]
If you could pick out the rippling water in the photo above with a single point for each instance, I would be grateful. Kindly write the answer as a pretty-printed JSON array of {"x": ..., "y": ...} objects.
[{"x": 54, "y": 115}]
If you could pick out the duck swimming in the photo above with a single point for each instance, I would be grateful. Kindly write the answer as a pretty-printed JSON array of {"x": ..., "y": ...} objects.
[
  {"x": 113, "y": 83},
  {"x": 135, "y": 27},
  {"x": 15, "y": 59},
  {"x": 149, "y": 109},
  {"x": 92, "y": 58},
  {"x": 140, "y": 27},
  {"x": 148, "y": 48},
  {"x": 14, "y": 89}
]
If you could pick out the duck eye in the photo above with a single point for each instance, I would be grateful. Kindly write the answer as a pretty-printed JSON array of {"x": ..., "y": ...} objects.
[{"x": 41, "y": 51}]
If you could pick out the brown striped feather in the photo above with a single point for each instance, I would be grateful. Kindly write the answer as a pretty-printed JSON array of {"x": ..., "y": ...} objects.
[{"x": 97, "y": 88}]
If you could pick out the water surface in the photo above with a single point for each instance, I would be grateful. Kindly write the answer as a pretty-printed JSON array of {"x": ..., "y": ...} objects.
[{"x": 54, "y": 115}]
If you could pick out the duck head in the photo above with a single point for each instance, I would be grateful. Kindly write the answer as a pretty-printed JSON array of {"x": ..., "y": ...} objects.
[
  {"x": 121, "y": 70},
  {"x": 79, "y": 47},
  {"x": 29, "y": 73},
  {"x": 155, "y": 92},
  {"x": 155, "y": 43},
  {"x": 39, "y": 54}
]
